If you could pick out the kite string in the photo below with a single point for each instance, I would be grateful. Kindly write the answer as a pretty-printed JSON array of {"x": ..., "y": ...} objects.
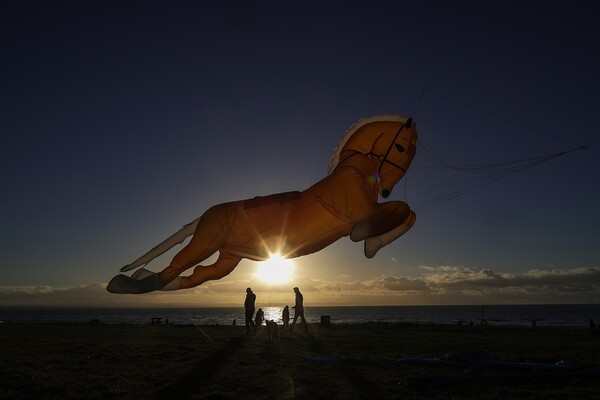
[
  {"x": 418, "y": 107},
  {"x": 485, "y": 174},
  {"x": 498, "y": 116},
  {"x": 488, "y": 172}
]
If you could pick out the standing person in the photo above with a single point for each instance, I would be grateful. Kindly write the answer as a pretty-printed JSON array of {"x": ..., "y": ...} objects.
[
  {"x": 299, "y": 309},
  {"x": 285, "y": 317},
  {"x": 249, "y": 308}
]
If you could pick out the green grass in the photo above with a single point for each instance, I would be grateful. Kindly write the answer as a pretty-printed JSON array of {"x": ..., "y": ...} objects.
[{"x": 72, "y": 361}]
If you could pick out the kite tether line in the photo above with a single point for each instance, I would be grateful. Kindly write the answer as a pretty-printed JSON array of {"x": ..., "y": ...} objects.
[{"x": 482, "y": 173}]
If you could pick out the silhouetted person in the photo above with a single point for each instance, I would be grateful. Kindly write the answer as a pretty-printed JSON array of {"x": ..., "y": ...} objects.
[
  {"x": 285, "y": 317},
  {"x": 260, "y": 316},
  {"x": 299, "y": 309},
  {"x": 483, "y": 320},
  {"x": 249, "y": 309}
]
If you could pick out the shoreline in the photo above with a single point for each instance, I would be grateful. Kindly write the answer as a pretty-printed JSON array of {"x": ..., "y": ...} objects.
[{"x": 522, "y": 315}]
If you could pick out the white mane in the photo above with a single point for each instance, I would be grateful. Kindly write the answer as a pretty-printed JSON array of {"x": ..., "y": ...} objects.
[{"x": 335, "y": 156}]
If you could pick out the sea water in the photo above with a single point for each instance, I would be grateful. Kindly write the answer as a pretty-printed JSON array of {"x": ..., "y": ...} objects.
[{"x": 543, "y": 315}]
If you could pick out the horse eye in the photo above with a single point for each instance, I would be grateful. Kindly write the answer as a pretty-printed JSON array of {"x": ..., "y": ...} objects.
[{"x": 400, "y": 148}]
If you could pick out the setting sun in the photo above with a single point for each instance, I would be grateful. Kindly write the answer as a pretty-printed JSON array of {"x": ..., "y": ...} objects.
[{"x": 275, "y": 270}]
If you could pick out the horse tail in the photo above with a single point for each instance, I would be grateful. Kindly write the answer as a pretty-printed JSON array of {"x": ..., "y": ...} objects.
[{"x": 161, "y": 248}]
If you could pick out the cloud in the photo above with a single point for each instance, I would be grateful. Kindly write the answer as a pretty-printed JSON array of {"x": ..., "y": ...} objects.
[
  {"x": 442, "y": 268},
  {"x": 437, "y": 285},
  {"x": 534, "y": 284},
  {"x": 485, "y": 278}
]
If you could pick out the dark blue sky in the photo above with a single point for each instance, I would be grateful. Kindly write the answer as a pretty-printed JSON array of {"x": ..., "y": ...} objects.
[{"x": 123, "y": 120}]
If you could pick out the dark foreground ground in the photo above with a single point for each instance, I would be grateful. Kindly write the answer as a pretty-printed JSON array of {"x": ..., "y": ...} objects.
[{"x": 365, "y": 361}]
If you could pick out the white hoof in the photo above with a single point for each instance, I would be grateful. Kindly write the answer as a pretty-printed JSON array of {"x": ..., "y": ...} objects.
[
  {"x": 118, "y": 284},
  {"x": 372, "y": 246},
  {"x": 125, "y": 284}
]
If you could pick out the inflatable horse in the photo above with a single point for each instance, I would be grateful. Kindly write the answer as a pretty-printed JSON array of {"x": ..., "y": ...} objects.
[{"x": 371, "y": 158}]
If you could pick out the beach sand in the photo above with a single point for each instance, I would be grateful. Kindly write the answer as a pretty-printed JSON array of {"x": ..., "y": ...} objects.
[{"x": 359, "y": 361}]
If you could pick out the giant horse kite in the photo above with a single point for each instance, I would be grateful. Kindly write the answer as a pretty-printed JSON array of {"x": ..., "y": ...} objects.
[{"x": 371, "y": 158}]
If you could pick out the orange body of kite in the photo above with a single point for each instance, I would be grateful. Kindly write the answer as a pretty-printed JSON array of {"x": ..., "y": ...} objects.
[{"x": 371, "y": 158}]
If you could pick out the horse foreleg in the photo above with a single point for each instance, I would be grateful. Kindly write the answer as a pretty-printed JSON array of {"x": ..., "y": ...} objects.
[
  {"x": 375, "y": 243},
  {"x": 389, "y": 221},
  {"x": 384, "y": 218}
]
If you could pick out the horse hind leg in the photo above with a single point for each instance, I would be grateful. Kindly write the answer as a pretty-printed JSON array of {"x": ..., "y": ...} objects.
[
  {"x": 202, "y": 273},
  {"x": 145, "y": 281},
  {"x": 188, "y": 257},
  {"x": 209, "y": 237},
  {"x": 211, "y": 234}
]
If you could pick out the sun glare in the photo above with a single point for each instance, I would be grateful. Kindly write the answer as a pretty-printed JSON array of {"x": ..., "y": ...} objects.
[{"x": 275, "y": 270}]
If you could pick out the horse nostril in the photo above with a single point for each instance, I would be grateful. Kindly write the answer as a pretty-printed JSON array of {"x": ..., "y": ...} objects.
[{"x": 385, "y": 193}]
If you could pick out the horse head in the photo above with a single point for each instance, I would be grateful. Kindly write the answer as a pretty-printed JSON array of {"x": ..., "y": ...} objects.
[{"x": 388, "y": 141}]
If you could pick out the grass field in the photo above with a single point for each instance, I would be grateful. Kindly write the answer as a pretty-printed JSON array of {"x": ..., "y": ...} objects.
[{"x": 364, "y": 361}]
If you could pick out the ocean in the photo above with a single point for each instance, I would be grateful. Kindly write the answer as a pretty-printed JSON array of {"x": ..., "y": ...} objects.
[{"x": 544, "y": 315}]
